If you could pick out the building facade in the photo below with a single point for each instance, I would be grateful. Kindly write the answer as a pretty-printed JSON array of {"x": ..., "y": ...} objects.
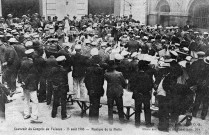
[
  {"x": 151, "y": 12},
  {"x": 179, "y": 12},
  {"x": 60, "y": 8}
]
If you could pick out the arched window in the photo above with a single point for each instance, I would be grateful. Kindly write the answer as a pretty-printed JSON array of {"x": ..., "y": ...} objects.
[
  {"x": 165, "y": 8},
  {"x": 201, "y": 16}
]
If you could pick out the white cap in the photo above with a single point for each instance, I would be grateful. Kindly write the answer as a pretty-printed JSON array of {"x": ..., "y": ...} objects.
[
  {"x": 163, "y": 40},
  {"x": 186, "y": 49},
  {"x": 189, "y": 58},
  {"x": 26, "y": 36},
  {"x": 147, "y": 57},
  {"x": 124, "y": 53},
  {"x": 205, "y": 33},
  {"x": 29, "y": 51},
  {"x": 125, "y": 35},
  {"x": 13, "y": 31},
  {"x": 10, "y": 15},
  {"x": 145, "y": 37},
  {"x": 152, "y": 40},
  {"x": 130, "y": 29},
  {"x": 174, "y": 53},
  {"x": 94, "y": 43},
  {"x": 94, "y": 52},
  {"x": 134, "y": 54},
  {"x": 168, "y": 60},
  {"x": 9, "y": 35},
  {"x": 182, "y": 63},
  {"x": 61, "y": 58},
  {"x": 177, "y": 44},
  {"x": 107, "y": 49},
  {"x": 28, "y": 43},
  {"x": 201, "y": 53},
  {"x": 103, "y": 44},
  {"x": 13, "y": 40},
  {"x": 87, "y": 41},
  {"x": 77, "y": 47},
  {"x": 118, "y": 57},
  {"x": 36, "y": 36},
  {"x": 160, "y": 27}
]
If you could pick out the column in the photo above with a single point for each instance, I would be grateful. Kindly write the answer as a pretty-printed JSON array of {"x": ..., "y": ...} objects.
[
  {"x": 117, "y": 7},
  {"x": 0, "y": 8}
]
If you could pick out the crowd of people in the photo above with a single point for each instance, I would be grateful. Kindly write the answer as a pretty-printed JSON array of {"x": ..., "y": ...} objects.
[{"x": 170, "y": 63}]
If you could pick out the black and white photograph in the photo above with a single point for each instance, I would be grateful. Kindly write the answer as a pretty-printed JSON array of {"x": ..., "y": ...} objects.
[{"x": 104, "y": 67}]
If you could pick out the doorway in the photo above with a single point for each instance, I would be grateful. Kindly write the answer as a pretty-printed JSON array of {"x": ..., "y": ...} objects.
[
  {"x": 19, "y": 7},
  {"x": 101, "y": 7},
  {"x": 164, "y": 20}
]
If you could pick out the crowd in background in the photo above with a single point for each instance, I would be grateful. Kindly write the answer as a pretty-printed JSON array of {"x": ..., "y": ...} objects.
[{"x": 171, "y": 62}]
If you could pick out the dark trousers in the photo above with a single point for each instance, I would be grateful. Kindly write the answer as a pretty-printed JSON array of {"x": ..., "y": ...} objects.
[
  {"x": 49, "y": 92},
  {"x": 2, "y": 107},
  {"x": 163, "y": 113},
  {"x": 42, "y": 90},
  {"x": 203, "y": 98},
  {"x": 11, "y": 76},
  {"x": 94, "y": 107},
  {"x": 60, "y": 94},
  {"x": 175, "y": 107},
  {"x": 119, "y": 103},
  {"x": 139, "y": 100}
]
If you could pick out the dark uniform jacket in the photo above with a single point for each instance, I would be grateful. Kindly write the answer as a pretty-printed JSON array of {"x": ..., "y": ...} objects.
[
  {"x": 50, "y": 63},
  {"x": 140, "y": 83},
  {"x": 133, "y": 46},
  {"x": 59, "y": 76},
  {"x": 12, "y": 59},
  {"x": 25, "y": 67},
  {"x": 197, "y": 72},
  {"x": 32, "y": 80},
  {"x": 4, "y": 92},
  {"x": 40, "y": 65},
  {"x": 94, "y": 80},
  {"x": 78, "y": 62},
  {"x": 20, "y": 49},
  {"x": 125, "y": 68},
  {"x": 115, "y": 84}
]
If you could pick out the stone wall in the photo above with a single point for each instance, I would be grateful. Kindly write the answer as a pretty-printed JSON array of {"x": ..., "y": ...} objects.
[
  {"x": 61, "y": 8},
  {"x": 138, "y": 8},
  {"x": 178, "y": 11}
]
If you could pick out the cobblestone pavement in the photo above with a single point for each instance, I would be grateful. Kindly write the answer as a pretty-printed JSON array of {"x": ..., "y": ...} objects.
[{"x": 16, "y": 125}]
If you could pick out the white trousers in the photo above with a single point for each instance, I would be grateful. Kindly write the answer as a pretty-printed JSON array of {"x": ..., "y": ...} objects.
[
  {"x": 79, "y": 88},
  {"x": 31, "y": 95}
]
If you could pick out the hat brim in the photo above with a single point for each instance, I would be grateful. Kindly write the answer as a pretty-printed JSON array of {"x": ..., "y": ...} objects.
[
  {"x": 182, "y": 53},
  {"x": 206, "y": 61}
]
